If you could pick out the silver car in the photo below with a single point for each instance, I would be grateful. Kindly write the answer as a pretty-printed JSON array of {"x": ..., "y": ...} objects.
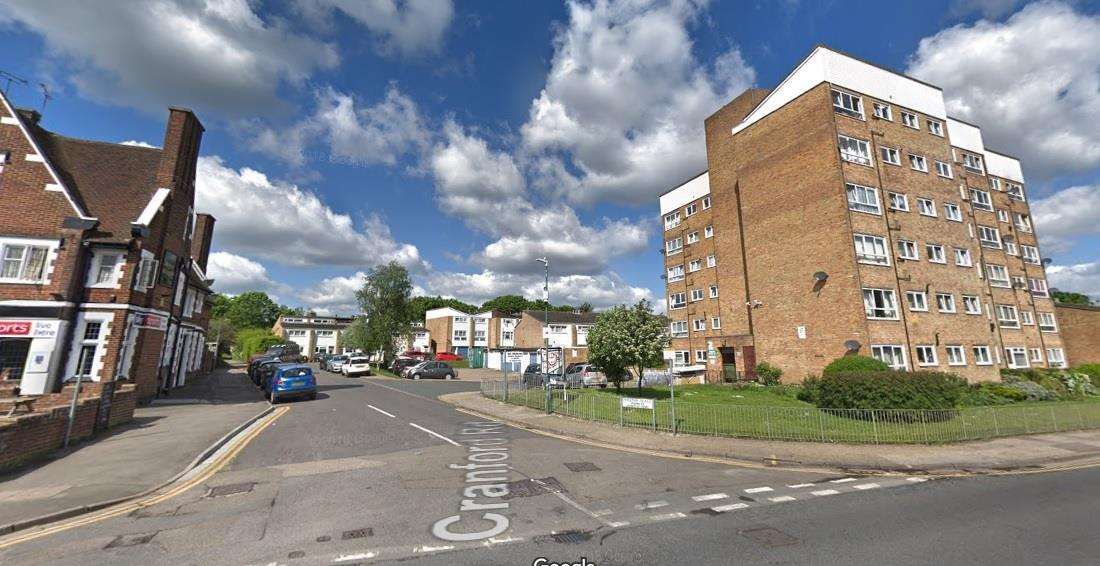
[{"x": 585, "y": 375}]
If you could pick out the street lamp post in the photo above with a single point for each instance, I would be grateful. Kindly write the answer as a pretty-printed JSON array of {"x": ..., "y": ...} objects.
[{"x": 545, "y": 261}]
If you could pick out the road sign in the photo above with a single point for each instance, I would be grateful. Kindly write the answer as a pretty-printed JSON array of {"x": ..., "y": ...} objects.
[{"x": 636, "y": 403}]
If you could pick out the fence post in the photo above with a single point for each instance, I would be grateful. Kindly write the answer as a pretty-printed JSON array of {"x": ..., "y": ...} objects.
[
  {"x": 1080, "y": 417},
  {"x": 821, "y": 423},
  {"x": 1054, "y": 418},
  {"x": 505, "y": 387},
  {"x": 1027, "y": 424},
  {"x": 874, "y": 423},
  {"x": 923, "y": 425},
  {"x": 620, "y": 413},
  {"x": 996, "y": 426},
  {"x": 654, "y": 413},
  {"x": 549, "y": 400}
]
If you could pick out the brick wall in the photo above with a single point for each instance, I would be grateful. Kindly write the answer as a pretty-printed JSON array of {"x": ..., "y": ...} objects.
[{"x": 1080, "y": 329}]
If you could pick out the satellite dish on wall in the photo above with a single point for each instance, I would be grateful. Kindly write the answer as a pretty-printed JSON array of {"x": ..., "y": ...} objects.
[
  {"x": 821, "y": 276},
  {"x": 852, "y": 345}
]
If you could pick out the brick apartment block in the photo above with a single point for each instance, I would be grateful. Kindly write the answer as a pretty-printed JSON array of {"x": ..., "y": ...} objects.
[
  {"x": 845, "y": 211},
  {"x": 1080, "y": 328},
  {"x": 102, "y": 258}
]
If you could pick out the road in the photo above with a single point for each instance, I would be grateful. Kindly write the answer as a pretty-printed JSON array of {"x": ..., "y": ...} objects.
[{"x": 375, "y": 470}]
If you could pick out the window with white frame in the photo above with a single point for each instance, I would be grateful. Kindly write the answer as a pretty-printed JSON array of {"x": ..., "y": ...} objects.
[
  {"x": 679, "y": 329},
  {"x": 1056, "y": 358},
  {"x": 1046, "y": 322},
  {"x": 982, "y": 356},
  {"x": 854, "y": 150},
  {"x": 936, "y": 253},
  {"x": 1017, "y": 357},
  {"x": 1019, "y": 282},
  {"x": 963, "y": 258},
  {"x": 981, "y": 200},
  {"x": 910, "y": 119},
  {"x": 848, "y": 104},
  {"x": 1007, "y": 316},
  {"x": 871, "y": 249},
  {"x": 1015, "y": 192},
  {"x": 892, "y": 355},
  {"x": 690, "y": 209},
  {"x": 708, "y": 232},
  {"x": 944, "y": 169},
  {"x": 956, "y": 355},
  {"x": 714, "y": 291},
  {"x": 889, "y": 155},
  {"x": 22, "y": 261},
  {"x": 1010, "y": 248},
  {"x": 680, "y": 358},
  {"x": 460, "y": 334},
  {"x": 1038, "y": 287},
  {"x": 711, "y": 261},
  {"x": 672, "y": 220},
  {"x": 106, "y": 269},
  {"x": 907, "y": 250},
  {"x": 972, "y": 304},
  {"x": 1002, "y": 215},
  {"x": 996, "y": 184},
  {"x": 951, "y": 211},
  {"x": 699, "y": 324},
  {"x": 146, "y": 272},
  {"x": 677, "y": 301},
  {"x": 693, "y": 238},
  {"x": 89, "y": 348},
  {"x": 296, "y": 333},
  {"x": 700, "y": 356},
  {"x": 1036, "y": 355},
  {"x": 883, "y": 111},
  {"x": 1026, "y": 318},
  {"x": 706, "y": 202},
  {"x": 715, "y": 322},
  {"x": 674, "y": 246},
  {"x": 676, "y": 273},
  {"x": 926, "y": 207},
  {"x": 696, "y": 295},
  {"x": 1030, "y": 253},
  {"x": 918, "y": 301},
  {"x": 880, "y": 304},
  {"x": 918, "y": 163},
  {"x": 926, "y": 355},
  {"x": 989, "y": 237},
  {"x": 695, "y": 265},
  {"x": 998, "y": 275},
  {"x": 863, "y": 199},
  {"x": 1023, "y": 222},
  {"x": 972, "y": 162},
  {"x": 935, "y": 128},
  {"x": 945, "y": 303},
  {"x": 899, "y": 202}
]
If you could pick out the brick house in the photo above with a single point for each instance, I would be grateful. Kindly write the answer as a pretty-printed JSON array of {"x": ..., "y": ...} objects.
[
  {"x": 102, "y": 258},
  {"x": 314, "y": 334},
  {"x": 845, "y": 211},
  {"x": 565, "y": 330}
]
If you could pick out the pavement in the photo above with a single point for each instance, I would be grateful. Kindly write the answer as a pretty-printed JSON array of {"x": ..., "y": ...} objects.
[
  {"x": 1034, "y": 452},
  {"x": 161, "y": 442}
]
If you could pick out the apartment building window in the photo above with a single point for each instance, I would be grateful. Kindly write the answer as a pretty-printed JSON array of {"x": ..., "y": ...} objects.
[
  {"x": 676, "y": 273},
  {"x": 962, "y": 257},
  {"x": 927, "y": 207},
  {"x": 714, "y": 291},
  {"x": 1036, "y": 355},
  {"x": 945, "y": 303},
  {"x": 1023, "y": 222},
  {"x": 981, "y": 355},
  {"x": 699, "y": 324},
  {"x": 956, "y": 356},
  {"x": 907, "y": 250},
  {"x": 696, "y": 295},
  {"x": 715, "y": 323},
  {"x": 1010, "y": 248},
  {"x": 695, "y": 265},
  {"x": 935, "y": 253},
  {"x": 989, "y": 237},
  {"x": 996, "y": 184},
  {"x": 1038, "y": 287},
  {"x": 943, "y": 169},
  {"x": 690, "y": 209},
  {"x": 935, "y": 128},
  {"x": 899, "y": 201},
  {"x": 951, "y": 211},
  {"x": 706, "y": 203},
  {"x": 910, "y": 119},
  {"x": 1007, "y": 316},
  {"x": 679, "y": 329},
  {"x": 892, "y": 355},
  {"x": 460, "y": 335},
  {"x": 674, "y": 246},
  {"x": 973, "y": 162},
  {"x": 479, "y": 335},
  {"x": 708, "y": 232},
  {"x": 871, "y": 249},
  {"x": 1016, "y": 192},
  {"x": 981, "y": 200},
  {"x": 23, "y": 263},
  {"x": 1026, "y": 318},
  {"x": 1019, "y": 282},
  {"x": 848, "y": 104},
  {"x": 1017, "y": 357},
  {"x": 672, "y": 220},
  {"x": 998, "y": 275},
  {"x": 972, "y": 304},
  {"x": 146, "y": 275},
  {"x": 711, "y": 261},
  {"x": 106, "y": 269},
  {"x": 918, "y": 163},
  {"x": 1030, "y": 253},
  {"x": 89, "y": 346},
  {"x": 854, "y": 150},
  {"x": 693, "y": 238},
  {"x": 1056, "y": 358},
  {"x": 890, "y": 155},
  {"x": 296, "y": 333},
  {"x": 926, "y": 355},
  {"x": 700, "y": 356},
  {"x": 1002, "y": 215},
  {"x": 677, "y": 301},
  {"x": 917, "y": 300},
  {"x": 680, "y": 358},
  {"x": 880, "y": 304},
  {"x": 1046, "y": 322},
  {"x": 863, "y": 199},
  {"x": 883, "y": 111}
]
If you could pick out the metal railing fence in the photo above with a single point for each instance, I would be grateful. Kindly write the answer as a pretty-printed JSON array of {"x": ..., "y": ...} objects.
[{"x": 877, "y": 426}]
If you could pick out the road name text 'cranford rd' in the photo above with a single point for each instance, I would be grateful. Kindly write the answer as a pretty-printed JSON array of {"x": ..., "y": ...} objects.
[{"x": 487, "y": 474}]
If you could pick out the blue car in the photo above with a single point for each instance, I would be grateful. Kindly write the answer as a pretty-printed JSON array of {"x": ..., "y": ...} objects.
[{"x": 291, "y": 380}]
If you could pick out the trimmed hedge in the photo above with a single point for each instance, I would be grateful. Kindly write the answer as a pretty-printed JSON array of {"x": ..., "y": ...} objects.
[
  {"x": 854, "y": 363},
  {"x": 927, "y": 390}
]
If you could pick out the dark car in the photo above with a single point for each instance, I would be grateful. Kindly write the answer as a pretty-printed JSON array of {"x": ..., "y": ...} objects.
[
  {"x": 254, "y": 367},
  {"x": 290, "y": 380},
  {"x": 400, "y": 364},
  {"x": 533, "y": 376},
  {"x": 433, "y": 369},
  {"x": 265, "y": 370}
]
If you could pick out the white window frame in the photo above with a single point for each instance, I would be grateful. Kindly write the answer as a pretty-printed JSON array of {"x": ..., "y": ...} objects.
[
  {"x": 1056, "y": 357},
  {"x": 905, "y": 246},
  {"x": 981, "y": 200},
  {"x": 945, "y": 303},
  {"x": 871, "y": 250},
  {"x": 878, "y": 351},
  {"x": 699, "y": 325},
  {"x": 693, "y": 237},
  {"x": 690, "y": 210},
  {"x": 708, "y": 231},
  {"x": 1011, "y": 249},
  {"x": 1030, "y": 254},
  {"x": 1002, "y": 215},
  {"x": 969, "y": 160},
  {"x": 993, "y": 271},
  {"x": 952, "y": 212},
  {"x": 855, "y": 150},
  {"x": 918, "y": 163},
  {"x": 1011, "y": 353},
  {"x": 883, "y": 111},
  {"x": 1007, "y": 316},
  {"x": 714, "y": 291},
  {"x": 935, "y": 127},
  {"x": 694, "y": 265},
  {"x": 995, "y": 184},
  {"x": 982, "y": 356},
  {"x": 716, "y": 323},
  {"x": 910, "y": 120},
  {"x": 711, "y": 261},
  {"x": 917, "y": 301},
  {"x": 902, "y": 200},
  {"x": 695, "y": 295},
  {"x": 700, "y": 356},
  {"x": 114, "y": 277},
  {"x": 674, "y": 246},
  {"x": 675, "y": 326},
  {"x": 1026, "y": 317},
  {"x": 972, "y": 304},
  {"x": 956, "y": 355},
  {"x": 1047, "y": 322},
  {"x": 926, "y": 355},
  {"x": 885, "y": 300},
  {"x": 1023, "y": 222},
  {"x": 706, "y": 202},
  {"x": 861, "y": 205},
  {"x": 676, "y": 273},
  {"x": 672, "y": 219},
  {"x": 146, "y": 277},
  {"x": 926, "y": 207},
  {"x": 847, "y": 104},
  {"x": 936, "y": 253},
  {"x": 1035, "y": 355},
  {"x": 983, "y": 237},
  {"x": 889, "y": 155},
  {"x": 49, "y": 251},
  {"x": 963, "y": 257},
  {"x": 677, "y": 301},
  {"x": 1016, "y": 192},
  {"x": 1038, "y": 287}
]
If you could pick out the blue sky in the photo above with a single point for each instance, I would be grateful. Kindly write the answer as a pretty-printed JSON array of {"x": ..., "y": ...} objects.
[{"x": 464, "y": 140}]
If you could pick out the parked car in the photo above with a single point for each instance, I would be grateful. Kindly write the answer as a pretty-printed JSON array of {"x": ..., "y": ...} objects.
[
  {"x": 434, "y": 369},
  {"x": 320, "y": 359},
  {"x": 399, "y": 365},
  {"x": 336, "y": 363},
  {"x": 406, "y": 371},
  {"x": 533, "y": 376},
  {"x": 585, "y": 375},
  {"x": 264, "y": 369},
  {"x": 291, "y": 380},
  {"x": 356, "y": 365},
  {"x": 448, "y": 357}
]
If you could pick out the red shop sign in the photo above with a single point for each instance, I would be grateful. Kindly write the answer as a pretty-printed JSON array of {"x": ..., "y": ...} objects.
[{"x": 15, "y": 327}]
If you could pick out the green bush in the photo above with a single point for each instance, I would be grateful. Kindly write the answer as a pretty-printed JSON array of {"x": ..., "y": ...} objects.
[
  {"x": 927, "y": 390},
  {"x": 253, "y": 340},
  {"x": 809, "y": 391},
  {"x": 984, "y": 394},
  {"x": 1077, "y": 384},
  {"x": 1031, "y": 390},
  {"x": 854, "y": 363},
  {"x": 1092, "y": 370},
  {"x": 768, "y": 374},
  {"x": 1049, "y": 379}
]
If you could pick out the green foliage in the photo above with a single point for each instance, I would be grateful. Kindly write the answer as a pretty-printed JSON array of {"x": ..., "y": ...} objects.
[
  {"x": 253, "y": 309},
  {"x": 768, "y": 374},
  {"x": 810, "y": 389},
  {"x": 1032, "y": 391},
  {"x": 355, "y": 335},
  {"x": 854, "y": 363},
  {"x": 1049, "y": 379},
  {"x": 890, "y": 390},
  {"x": 626, "y": 338},
  {"x": 385, "y": 300},
  {"x": 513, "y": 304},
  {"x": 1092, "y": 370},
  {"x": 987, "y": 393},
  {"x": 253, "y": 341},
  {"x": 1071, "y": 298}
]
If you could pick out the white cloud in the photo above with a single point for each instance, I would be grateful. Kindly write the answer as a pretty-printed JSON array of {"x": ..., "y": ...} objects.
[
  {"x": 282, "y": 222},
  {"x": 601, "y": 291},
  {"x": 1065, "y": 215},
  {"x": 1031, "y": 83},
  {"x": 405, "y": 27},
  {"x": 234, "y": 274},
  {"x": 139, "y": 143},
  {"x": 1077, "y": 278},
  {"x": 621, "y": 115},
  {"x": 334, "y": 294},
  {"x": 214, "y": 55}
]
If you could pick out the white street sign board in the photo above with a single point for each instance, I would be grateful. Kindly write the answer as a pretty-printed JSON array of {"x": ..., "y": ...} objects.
[{"x": 635, "y": 403}]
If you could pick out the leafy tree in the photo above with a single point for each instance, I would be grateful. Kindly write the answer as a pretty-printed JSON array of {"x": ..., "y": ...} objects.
[
  {"x": 1071, "y": 298},
  {"x": 222, "y": 331},
  {"x": 355, "y": 335},
  {"x": 585, "y": 307},
  {"x": 385, "y": 300},
  {"x": 507, "y": 303},
  {"x": 219, "y": 305},
  {"x": 253, "y": 309},
  {"x": 627, "y": 338},
  {"x": 254, "y": 340}
]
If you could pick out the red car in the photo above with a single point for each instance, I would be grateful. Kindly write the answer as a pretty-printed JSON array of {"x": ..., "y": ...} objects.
[{"x": 448, "y": 357}]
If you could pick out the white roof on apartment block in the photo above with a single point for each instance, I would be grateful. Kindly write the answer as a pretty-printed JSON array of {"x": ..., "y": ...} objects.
[
  {"x": 443, "y": 312},
  {"x": 697, "y": 187}
]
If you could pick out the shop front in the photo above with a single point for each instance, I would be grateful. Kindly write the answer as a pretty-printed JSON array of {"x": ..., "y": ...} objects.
[{"x": 29, "y": 350}]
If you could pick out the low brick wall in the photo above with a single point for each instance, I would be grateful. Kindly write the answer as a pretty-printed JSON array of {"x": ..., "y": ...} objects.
[{"x": 27, "y": 437}]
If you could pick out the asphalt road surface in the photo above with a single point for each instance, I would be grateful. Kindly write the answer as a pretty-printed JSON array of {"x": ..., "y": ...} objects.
[{"x": 378, "y": 470}]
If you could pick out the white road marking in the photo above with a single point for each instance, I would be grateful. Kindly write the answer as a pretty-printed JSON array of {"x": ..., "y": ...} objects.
[
  {"x": 602, "y": 513},
  {"x": 730, "y": 507},
  {"x": 864, "y": 486},
  {"x": 493, "y": 540},
  {"x": 781, "y": 499},
  {"x": 709, "y": 497},
  {"x": 916, "y": 480},
  {"x": 350, "y": 557},
  {"x": 619, "y": 524},
  {"x": 667, "y": 516},
  {"x": 651, "y": 505},
  {"x": 843, "y": 480},
  {"x": 758, "y": 489},
  {"x": 798, "y": 485},
  {"x": 435, "y": 434},
  {"x": 390, "y": 415},
  {"x": 825, "y": 492},
  {"x": 433, "y": 548}
]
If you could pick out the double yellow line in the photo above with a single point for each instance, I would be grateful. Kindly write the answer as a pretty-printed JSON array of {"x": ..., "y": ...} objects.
[{"x": 153, "y": 498}]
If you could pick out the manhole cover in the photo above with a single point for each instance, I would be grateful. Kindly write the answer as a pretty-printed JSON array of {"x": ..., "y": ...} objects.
[
  {"x": 230, "y": 489},
  {"x": 324, "y": 538},
  {"x": 297, "y": 554},
  {"x": 571, "y": 537},
  {"x": 357, "y": 533},
  {"x": 769, "y": 537},
  {"x": 532, "y": 487},
  {"x": 131, "y": 540},
  {"x": 582, "y": 467}
]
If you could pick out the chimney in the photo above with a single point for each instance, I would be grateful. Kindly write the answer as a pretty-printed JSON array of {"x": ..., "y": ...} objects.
[
  {"x": 204, "y": 235},
  {"x": 180, "y": 152},
  {"x": 32, "y": 117}
]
